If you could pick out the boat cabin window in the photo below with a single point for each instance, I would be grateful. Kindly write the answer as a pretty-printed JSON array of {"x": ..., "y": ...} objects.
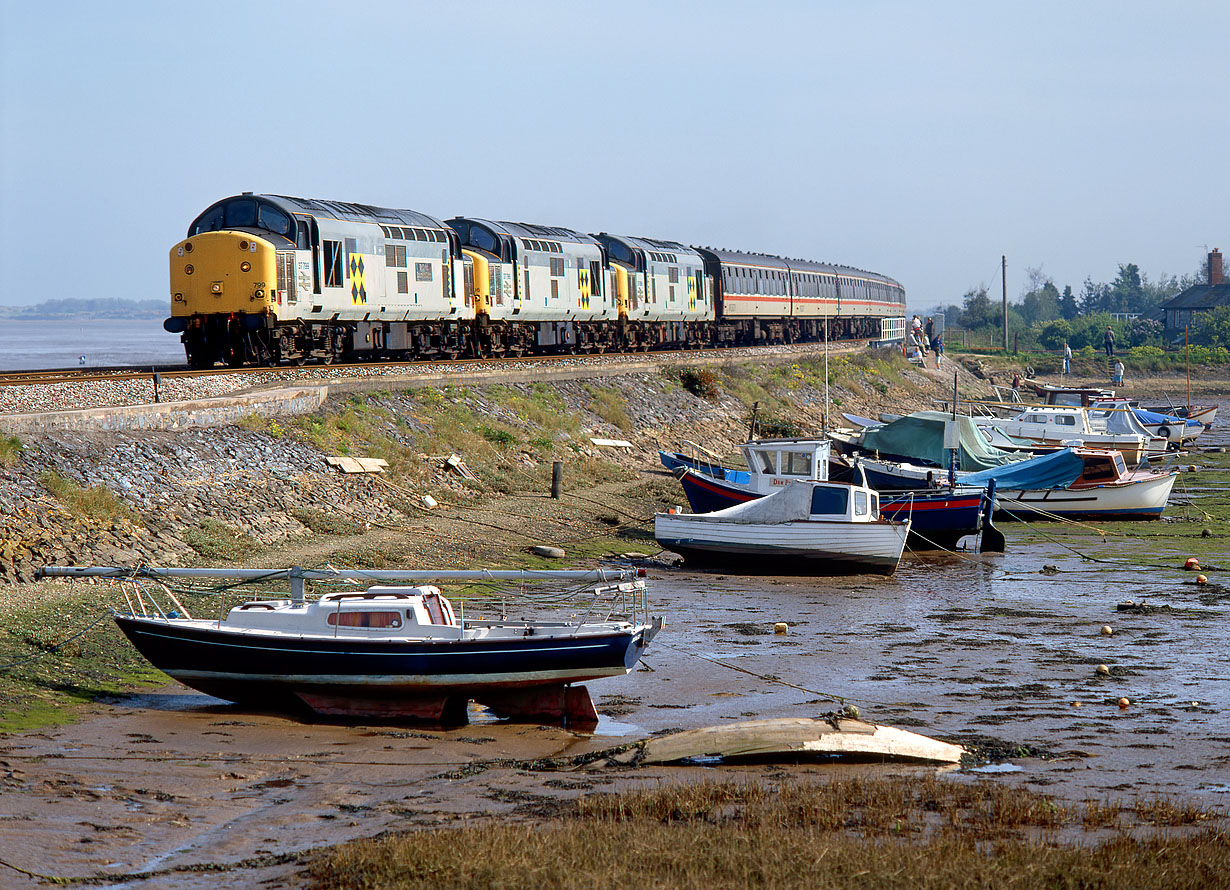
[
  {"x": 830, "y": 500},
  {"x": 1120, "y": 465},
  {"x": 1065, "y": 419},
  {"x": 860, "y": 503},
  {"x": 766, "y": 461},
  {"x": 1099, "y": 469},
  {"x": 875, "y": 503},
  {"x": 365, "y": 619},
  {"x": 796, "y": 463}
]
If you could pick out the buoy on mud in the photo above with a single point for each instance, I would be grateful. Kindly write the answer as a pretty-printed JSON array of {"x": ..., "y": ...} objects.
[
  {"x": 1123, "y": 703},
  {"x": 1102, "y": 671},
  {"x": 781, "y": 627},
  {"x": 1076, "y": 704},
  {"x": 1107, "y": 630},
  {"x": 1201, "y": 579},
  {"x": 1192, "y": 564}
]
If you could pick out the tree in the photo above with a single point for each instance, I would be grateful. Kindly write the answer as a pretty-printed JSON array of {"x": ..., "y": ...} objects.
[
  {"x": 1055, "y": 334},
  {"x": 1126, "y": 292},
  {"x": 1041, "y": 305},
  {"x": 978, "y": 312},
  {"x": 1213, "y": 327},
  {"x": 1067, "y": 303},
  {"x": 1095, "y": 298}
]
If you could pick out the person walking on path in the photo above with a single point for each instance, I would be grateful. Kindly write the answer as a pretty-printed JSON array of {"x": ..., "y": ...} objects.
[
  {"x": 1067, "y": 359},
  {"x": 937, "y": 346},
  {"x": 1117, "y": 377},
  {"x": 1110, "y": 342}
]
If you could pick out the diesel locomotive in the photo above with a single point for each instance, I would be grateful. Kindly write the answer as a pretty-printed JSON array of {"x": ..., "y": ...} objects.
[{"x": 270, "y": 279}]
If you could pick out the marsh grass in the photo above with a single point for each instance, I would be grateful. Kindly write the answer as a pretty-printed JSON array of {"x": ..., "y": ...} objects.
[
  {"x": 97, "y": 503},
  {"x": 898, "y": 833}
]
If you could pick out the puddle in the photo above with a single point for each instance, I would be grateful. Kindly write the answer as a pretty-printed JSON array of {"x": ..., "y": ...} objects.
[
  {"x": 996, "y": 768},
  {"x": 609, "y": 727}
]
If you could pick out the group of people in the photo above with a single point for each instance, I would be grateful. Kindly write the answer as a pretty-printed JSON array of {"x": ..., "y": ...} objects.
[
  {"x": 1108, "y": 342},
  {"x": 924, "y": 341}
]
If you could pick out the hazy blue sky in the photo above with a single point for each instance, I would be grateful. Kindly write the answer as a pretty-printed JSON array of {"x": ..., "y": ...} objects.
[{"x": 921, "y": 140}]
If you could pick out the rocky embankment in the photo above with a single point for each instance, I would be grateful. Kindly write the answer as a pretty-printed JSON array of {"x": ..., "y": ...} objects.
[{"x": 211, "y": 495}]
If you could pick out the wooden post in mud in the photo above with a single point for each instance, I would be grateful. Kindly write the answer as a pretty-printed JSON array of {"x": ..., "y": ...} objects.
[{"x": 557, "y": 479}]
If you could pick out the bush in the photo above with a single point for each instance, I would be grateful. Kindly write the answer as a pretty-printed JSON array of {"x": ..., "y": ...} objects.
[
  {"x": 1054, "y": 334},
  {"x": 503, "y": 438},
  {"x": 700, "y": 382}
]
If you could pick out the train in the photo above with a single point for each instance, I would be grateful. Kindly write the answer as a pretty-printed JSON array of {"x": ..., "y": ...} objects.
[{"x": 271, "y": 280}]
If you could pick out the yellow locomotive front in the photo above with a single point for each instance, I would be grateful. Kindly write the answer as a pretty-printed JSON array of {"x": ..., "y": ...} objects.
[{"x": 223, "y": 273}]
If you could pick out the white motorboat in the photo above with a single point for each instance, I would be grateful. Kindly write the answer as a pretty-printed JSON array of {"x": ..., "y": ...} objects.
[
  {"x": 818, "y": 527},
  {"x": 1047, "y": 426}
]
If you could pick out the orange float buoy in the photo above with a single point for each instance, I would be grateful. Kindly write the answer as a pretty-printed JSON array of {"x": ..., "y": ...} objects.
[
  {"x": 1201, "y": 579},
  {"x": 1123, "y": 703},
  {"x": 1192, "y": 564}
]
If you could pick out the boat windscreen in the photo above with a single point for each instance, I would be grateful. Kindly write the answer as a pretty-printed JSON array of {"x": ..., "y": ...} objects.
[{"x": 830, "y": 500}]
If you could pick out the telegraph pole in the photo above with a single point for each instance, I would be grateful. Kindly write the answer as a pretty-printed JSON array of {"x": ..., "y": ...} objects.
[{"x": 1004, "y": 271}]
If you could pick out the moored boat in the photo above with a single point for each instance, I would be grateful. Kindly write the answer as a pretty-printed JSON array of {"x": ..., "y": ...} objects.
[
  {"x": 811, "y": 526},
  {"x": 399, "y": 652},
  {"x": 941, "y": 517}
]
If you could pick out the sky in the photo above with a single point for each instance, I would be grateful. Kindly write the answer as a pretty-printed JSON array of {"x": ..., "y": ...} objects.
[{"x": 923, "y": 141}]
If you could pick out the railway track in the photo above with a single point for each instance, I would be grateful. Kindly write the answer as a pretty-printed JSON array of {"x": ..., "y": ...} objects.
[{"x": 157, "y": 374}]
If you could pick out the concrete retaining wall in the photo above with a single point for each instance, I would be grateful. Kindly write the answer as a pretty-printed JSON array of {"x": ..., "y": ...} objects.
[{"x": 170, "y": 415}]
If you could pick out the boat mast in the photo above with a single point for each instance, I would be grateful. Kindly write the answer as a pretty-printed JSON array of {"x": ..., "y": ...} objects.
[
  {"x": 1187, "y": 360},
  {"x": 825, "y": 426}
]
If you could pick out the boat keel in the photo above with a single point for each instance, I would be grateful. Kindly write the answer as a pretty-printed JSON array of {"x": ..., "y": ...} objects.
[{"x": 550, "y": 705}]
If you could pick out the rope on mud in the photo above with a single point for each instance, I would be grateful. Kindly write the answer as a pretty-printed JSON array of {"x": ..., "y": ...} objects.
[
  {"x": 101, "y": 618},
  {"x": 50, "y": 879},
  {"x": 831, "y": 696},
  {"x": 1032, "y": 527}
]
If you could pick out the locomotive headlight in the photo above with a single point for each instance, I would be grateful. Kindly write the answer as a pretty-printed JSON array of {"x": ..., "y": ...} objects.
[
  {"x": 187, "y": 247},
  {"x": 243, "y": 245},
  {"x": 259, "y": 293},
  {"x": 188, "y": 269},
  {"x": 245, "y": 267}
]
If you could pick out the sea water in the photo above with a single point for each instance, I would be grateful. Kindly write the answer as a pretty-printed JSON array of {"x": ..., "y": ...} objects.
[{"x": 89, "y": 343}]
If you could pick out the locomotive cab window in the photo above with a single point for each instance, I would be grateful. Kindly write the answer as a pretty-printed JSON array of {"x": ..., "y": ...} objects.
[
  {"x": 241, "y": 214},
  {"x": 273, "y": 220}
]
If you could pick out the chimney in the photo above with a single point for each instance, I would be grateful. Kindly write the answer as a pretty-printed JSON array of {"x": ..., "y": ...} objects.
[{"x": 1215, "y": 276}]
